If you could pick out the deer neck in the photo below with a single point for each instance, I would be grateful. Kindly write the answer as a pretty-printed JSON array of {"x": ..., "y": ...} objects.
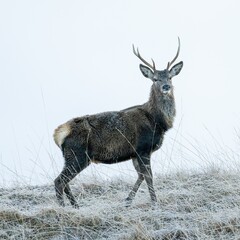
[{"x": 161, "y": 107}]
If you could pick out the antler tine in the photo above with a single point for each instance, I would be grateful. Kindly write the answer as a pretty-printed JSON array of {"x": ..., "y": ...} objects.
[
  {"x": 174, "y": 59},
  {"x": 154, "y": 67},
  {"x": 144, "y": 61}
]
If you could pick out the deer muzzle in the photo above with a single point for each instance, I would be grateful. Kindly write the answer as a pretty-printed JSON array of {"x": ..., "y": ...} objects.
[{"x": 166, "y": 88}]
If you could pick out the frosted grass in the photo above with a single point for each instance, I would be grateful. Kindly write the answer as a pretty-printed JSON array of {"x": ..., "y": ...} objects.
[{"x": 191, "y": 205}]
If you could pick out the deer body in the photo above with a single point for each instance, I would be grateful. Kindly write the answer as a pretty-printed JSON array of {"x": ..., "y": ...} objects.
[{"x": 112, "y": 137}]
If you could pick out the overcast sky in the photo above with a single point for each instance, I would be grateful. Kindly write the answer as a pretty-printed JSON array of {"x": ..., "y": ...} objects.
[{"x": 62, "y": 59}]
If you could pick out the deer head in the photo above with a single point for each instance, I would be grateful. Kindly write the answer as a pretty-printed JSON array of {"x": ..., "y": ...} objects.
[{"x": 162, "y": 80}]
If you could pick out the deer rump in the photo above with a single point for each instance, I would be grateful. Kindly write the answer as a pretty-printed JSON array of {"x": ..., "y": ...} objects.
[{"x": 112, "y": 137}]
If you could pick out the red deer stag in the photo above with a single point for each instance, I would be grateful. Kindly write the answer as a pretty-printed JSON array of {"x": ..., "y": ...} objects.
[{"x": 112, "y": 137}]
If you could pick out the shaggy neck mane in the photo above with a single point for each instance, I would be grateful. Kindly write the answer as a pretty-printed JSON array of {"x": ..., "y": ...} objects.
[{"x": 162, "y": 107}]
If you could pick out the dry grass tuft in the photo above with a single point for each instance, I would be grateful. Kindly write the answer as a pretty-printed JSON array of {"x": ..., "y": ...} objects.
[{"x": 190, "y": 206}]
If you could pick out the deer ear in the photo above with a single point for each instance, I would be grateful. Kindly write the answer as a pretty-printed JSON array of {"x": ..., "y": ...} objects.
[
  {"x": 176, "y": 69},
  {"x": 146, "y": 71}
]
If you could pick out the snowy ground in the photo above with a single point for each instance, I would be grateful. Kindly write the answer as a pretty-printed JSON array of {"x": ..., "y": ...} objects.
[{"x": 200, "y": 205}]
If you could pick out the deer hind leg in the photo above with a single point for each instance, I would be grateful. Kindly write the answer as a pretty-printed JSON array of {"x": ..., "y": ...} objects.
[
  {"x": 70, "y": 196},
  {"x": 61, "y": 184},
  {"x": 136, "y": 185},
  {"x": 75, "y": 162}
]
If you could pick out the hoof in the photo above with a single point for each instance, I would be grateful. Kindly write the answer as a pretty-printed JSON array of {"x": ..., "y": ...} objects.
[
  {"x": 128, "y": 202},
  {"x": 61, "y": 203},
  {"x": 154, "y": 204},
  {"x": 75, "y": 205}
]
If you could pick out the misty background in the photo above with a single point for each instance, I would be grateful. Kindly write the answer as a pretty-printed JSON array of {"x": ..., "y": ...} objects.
[{"x": 63, "y": 59}]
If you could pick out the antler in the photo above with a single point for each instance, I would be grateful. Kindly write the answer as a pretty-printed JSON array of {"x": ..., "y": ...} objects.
[
  {"x": 144, "y": 61},
  {"x": 170, "y": 63}
]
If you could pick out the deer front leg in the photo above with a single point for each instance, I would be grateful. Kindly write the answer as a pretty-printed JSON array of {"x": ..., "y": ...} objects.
[
  {"x": 134, "y": 190},
  {"x": 145, "y": 168},
  {"x": 136, "y": 185},
  {"x": 149, "y": 179}
]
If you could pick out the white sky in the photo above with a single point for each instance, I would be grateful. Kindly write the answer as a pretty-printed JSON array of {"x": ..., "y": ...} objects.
[{"x": 62, "y": 59}]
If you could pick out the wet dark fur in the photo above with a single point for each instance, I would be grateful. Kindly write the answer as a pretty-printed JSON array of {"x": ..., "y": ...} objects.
[{"x": 112, "y": 137}]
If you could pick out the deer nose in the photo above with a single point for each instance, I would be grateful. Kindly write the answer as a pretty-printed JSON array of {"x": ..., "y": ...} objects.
[{"x": 166, "y": 87}]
